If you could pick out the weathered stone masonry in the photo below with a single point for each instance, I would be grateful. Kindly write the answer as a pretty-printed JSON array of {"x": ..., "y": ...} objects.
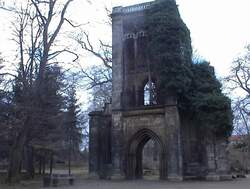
[{"x": 119, "y": 133}]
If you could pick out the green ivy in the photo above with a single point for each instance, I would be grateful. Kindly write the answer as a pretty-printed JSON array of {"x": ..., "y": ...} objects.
[{"x": 198, "y": 91}]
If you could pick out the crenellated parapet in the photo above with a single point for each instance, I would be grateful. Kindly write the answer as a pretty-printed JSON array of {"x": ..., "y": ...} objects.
[{"x": 133, "y": 8}]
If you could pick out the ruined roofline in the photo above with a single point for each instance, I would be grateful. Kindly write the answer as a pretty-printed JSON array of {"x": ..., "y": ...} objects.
[
  {"x": 135, "y": 8},
  {"x": 132, "y": 8}
]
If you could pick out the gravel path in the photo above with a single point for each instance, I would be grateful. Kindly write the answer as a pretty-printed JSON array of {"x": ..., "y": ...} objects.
[{"x": 141, "y": 184}]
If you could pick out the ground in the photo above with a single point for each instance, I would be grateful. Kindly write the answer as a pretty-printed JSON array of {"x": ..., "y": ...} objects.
[
  {"x": 83, "y": 182},
  {"x": 139, "y": 184}
]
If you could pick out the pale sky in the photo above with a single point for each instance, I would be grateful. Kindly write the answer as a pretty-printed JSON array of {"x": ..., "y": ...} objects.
[{"x": 219, "y": 28}]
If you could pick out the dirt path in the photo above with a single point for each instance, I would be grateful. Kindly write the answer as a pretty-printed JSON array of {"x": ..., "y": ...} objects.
[{"x": 140, "y": 184}]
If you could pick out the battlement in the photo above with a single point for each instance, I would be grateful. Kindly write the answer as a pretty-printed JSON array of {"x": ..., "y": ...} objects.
[{"x": 132, "y": 8}]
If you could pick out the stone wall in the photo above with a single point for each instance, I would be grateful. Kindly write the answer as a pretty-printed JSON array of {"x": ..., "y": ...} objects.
[
  {"x": 118, "y": 136},
  {"x": 99, "y": 145}
]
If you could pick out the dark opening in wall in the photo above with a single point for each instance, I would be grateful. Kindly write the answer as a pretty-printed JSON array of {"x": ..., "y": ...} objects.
[
  {"x": 142, "y": 52},
  {"x": 129, "y": 53}
]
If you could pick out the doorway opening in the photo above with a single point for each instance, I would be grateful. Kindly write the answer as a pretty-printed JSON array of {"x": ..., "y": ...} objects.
[
  {"x": 150, "y": 160},
  {"x": 146, "y": 156}
]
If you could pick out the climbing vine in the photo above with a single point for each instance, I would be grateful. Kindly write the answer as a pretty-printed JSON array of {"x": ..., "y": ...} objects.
[{"x": 197, "y": 89}]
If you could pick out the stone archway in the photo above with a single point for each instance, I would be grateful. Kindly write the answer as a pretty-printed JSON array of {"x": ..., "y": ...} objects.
[{"x": 134, "y": 154}]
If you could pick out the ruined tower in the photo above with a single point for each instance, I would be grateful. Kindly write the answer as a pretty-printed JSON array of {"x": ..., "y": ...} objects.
[{"x": 140, "y": 112}]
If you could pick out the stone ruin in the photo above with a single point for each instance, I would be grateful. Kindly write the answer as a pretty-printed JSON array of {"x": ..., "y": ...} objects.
[{"x": 140, "y": 113}]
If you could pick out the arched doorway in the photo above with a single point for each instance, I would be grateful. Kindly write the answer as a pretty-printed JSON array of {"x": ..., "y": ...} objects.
[
  {"x": 150, "y": 160},
  {"x": 135, "y": 154}
]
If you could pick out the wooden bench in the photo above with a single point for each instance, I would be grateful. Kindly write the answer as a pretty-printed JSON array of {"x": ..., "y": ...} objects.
[{"x": 54, "y": 179}]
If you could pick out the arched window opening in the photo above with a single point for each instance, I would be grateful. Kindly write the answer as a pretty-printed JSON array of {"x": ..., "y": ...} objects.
[{"x": 150, "y": 93}]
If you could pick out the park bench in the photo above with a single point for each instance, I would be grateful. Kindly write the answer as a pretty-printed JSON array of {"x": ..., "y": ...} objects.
[{"x": 54, "y": 179}]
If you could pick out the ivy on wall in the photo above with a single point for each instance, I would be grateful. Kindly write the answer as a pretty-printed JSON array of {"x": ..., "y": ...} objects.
[{"x": 197, "y": 89}]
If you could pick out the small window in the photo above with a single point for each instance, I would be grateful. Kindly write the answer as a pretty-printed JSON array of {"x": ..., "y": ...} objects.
[{"x": 150, "y": 94}]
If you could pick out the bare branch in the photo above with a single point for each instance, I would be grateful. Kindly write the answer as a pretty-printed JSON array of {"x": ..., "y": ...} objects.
[
  {"x": 60, "y": 23},
  {"x": 56, "y": 53},
  {"x": 8, "y": 74},
  {"x": 73, "y": 25},
  {"x": 88, "y": 47},
  {"x": 41, "y": 16}
]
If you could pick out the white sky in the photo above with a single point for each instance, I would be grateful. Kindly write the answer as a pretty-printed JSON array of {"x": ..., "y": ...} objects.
[{"x": 219, "y": 28}]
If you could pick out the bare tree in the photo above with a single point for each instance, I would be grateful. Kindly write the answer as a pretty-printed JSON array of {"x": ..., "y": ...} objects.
[
  {"x": 1, "y": 67},
  {"x": 241, "y": 119},
  {"x": 238, "y": 83},
  {"x": 240, "y": 73},
  {"x": 37, "y": 26},
  {"x": 97, "y": 78}
]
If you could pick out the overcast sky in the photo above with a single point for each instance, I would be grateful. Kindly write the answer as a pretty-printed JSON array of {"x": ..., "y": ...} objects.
[{"x": 219, "y": 28}]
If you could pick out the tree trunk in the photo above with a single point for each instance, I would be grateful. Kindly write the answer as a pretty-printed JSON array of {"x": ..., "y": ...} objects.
[
  {"x": 51, "y": 164},
  {"x": 29, "y": 162},
  {"x": 69, "y": 160},
  {"x": 215, "y": 153},
  {"x": 40, "y": 165},
  {"x": 16, "y": 156},
  {"x": 44, "y": 165}
]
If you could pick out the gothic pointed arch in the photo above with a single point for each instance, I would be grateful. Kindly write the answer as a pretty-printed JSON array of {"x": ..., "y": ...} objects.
[{"x": 134, "y": 153}]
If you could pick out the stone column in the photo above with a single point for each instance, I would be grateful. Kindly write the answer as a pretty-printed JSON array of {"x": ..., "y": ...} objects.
[
  {"x": 93, "y": 145},
  {"x": 163, "y": 166},
  {"x": 117, "y": 146},
  {"x": 135, "y": 37},
  {"x": 174, "y": 143},
  {"x": 211, "y": 160},
  {"x": 223, "y": 168},
  {"x": 117, "y": 91},
  {"x": 217, "y": 160},
  {"x": 117, "y": 58}
]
